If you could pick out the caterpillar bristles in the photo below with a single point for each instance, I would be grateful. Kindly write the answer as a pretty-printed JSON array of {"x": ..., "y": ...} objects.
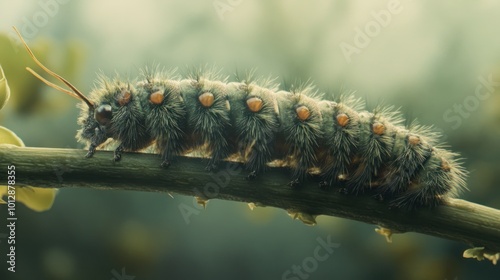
[
  {"x": 206, "y": 72},
  {"x": 350, "y": 100},
  {"x": 250, "y": 77},
  {"x": 250, "y": 119},
  {"x": 157, "y": 72}
]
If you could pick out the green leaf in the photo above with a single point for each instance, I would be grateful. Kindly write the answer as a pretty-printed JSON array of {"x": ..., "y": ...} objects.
[
  {"x": 9, "y": 137},
  {"x": 4, "y": 89}
]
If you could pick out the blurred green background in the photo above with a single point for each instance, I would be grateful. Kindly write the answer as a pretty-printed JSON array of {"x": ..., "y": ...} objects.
[{"x": 426, "y": 57}]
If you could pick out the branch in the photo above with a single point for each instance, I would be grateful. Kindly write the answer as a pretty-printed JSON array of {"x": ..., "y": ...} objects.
[{"x": 458, "y": 220}]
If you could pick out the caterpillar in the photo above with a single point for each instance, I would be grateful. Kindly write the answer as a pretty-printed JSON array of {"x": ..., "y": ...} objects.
[{"x": 365, "y": 151}]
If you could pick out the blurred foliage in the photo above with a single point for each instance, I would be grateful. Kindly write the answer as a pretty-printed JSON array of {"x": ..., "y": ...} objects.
[
  {"x": 28, "y": 98},
  {"x": 4, "y": 89},
  {"x": 9, "y": 137},
  {"x": 37, "y": 199}
]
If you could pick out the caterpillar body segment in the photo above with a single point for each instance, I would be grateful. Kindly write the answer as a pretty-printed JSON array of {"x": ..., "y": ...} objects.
[
  {"x": 208, "y": 117},
  {"x": 376, "y": 140},
  {"x": 165, "y": 116},
  {"x": 301, "y": 122},
  {"x": 341, "y": 140},
  {"x": 255, "y": 120}
]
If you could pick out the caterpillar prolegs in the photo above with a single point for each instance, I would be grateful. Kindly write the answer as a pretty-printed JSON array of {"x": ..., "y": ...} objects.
[{"x": 365, "y": 151}]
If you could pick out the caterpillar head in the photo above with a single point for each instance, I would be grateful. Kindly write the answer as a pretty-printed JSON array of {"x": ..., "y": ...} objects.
[
  {"x": 105, "y": 116},
  {"x": 92, "y": 119}
]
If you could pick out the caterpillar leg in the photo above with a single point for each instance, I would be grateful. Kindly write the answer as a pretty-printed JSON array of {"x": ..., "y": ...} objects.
[
  {"x": 251, "y": 176},
  {"x": 170, "y": 146},
  {"x": 170, "y": 140},
  {"x": 91, "y": 151},
  {"x": 97, "y": 139},
  {"x": 165, "y": 163},
  {"x": 324, "y": 185},
  {"x": 258, "y": 155},
  {"x": 219, "y": 146},
  {"x": 118, "y": 153},
  {"x": 295, "y": 183},
  {"x": 213, "y": 165}
]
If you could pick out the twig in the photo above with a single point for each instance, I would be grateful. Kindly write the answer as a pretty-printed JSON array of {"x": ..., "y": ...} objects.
[{"x": 459, "y": 220}]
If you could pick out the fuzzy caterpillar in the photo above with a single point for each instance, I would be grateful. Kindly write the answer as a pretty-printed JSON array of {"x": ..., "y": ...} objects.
[{"x": 366, "y": 151}]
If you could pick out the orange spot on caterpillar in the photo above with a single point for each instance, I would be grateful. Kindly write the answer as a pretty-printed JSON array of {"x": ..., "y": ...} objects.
[
  {"x": 445, "y": 165},
  {"x": 254, "y": 104},
  {"x": 124, "y": 98},
  {"x": 303, "y": 113},
  {"x": 342, "y": 119},
  {"x": 413, "y": 140},
  {"x": 156, "y": 97},
  {"x": 378, "y": 128},
  {"x": 206, "y": 99}
]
